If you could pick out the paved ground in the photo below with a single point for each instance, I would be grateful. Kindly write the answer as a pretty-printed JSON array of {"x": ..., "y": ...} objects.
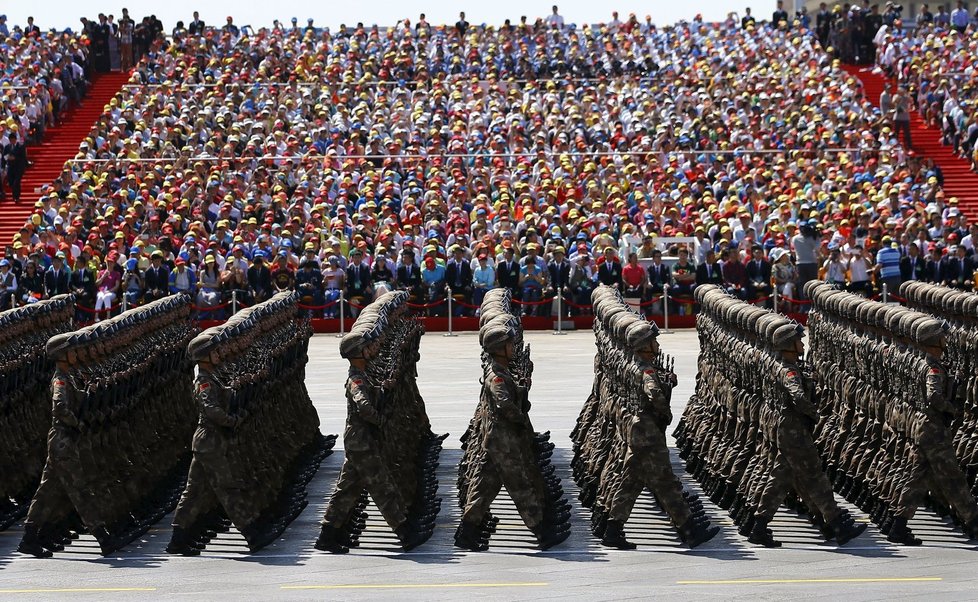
[{"x": 727, "y": 567}]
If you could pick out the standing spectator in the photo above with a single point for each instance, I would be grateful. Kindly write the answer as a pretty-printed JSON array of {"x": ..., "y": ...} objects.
[
  {"x": 57, "y": 277},
  {"x": 461, "y": 26},
  {"x": 806, "y": 245},
  {"x": 901, "y": 115},
  {"x": 859, "y": 268},
  {"x": 8, "y": 285},
  {"x": 483, "y": 278},
  {"x": 912, "y": 265},
  {"x": 127, "y": 28},
  {"x": 958, "y": 270},
  {"x": 835, "y": 269},
  {"x": 15, "y": 160},
  {"x": 888, "y": 265},
  {"x": 779, "y": 19},
  {"x": 555, "y": 21},
  {"x": 196, "y": 26},
  {"x": 156, "y": 280},
  {"x": 960, "y": 18},
  {"x": 683, "y": 279}
]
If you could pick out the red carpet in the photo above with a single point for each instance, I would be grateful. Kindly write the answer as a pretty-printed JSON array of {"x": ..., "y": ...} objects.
[
  {"x": 60, "y": 144},
  {"x": 959, "y": 180}
]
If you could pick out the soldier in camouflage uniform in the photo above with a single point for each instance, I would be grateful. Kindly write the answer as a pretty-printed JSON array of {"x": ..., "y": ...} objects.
[
  {"x": 391, "y": 453},
  {"x": 257, "y": 442},
  {"x": 501, "y": 447},
  {"x": 25, "y": 405},
  {"x": 119, "y": 442},
  {"x": 619, "y": 440}
]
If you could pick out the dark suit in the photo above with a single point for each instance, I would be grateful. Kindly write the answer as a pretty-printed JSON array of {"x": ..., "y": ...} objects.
[
  {"x": 659, "y": 276},
  {"x": 409, "y": 279},
  {"x": 508, "y": 275},
  {"x": 913, "y": 268},
  {"x": 195, "y": 27},
  {"x": 932, "y": 270},
  {"x": 758, "y": 278},
  {"x": 458, "y": 277},
  {"x": 156, "y": 282},
  {"x": 260, "y": 282},
  {"x": 609, "y": 273},
  {"x": 708, "y": 274},
  {"x": 357, "y": 280},
  {"x": 559, "y": 274},
  {"x": 15, "y": 157},
  {"x": 56, "y": 281},
  {"x": 958, "y": 272}
]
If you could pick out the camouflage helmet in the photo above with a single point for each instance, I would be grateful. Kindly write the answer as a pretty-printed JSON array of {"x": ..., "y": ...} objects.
[{"x": 639, "y": 333}]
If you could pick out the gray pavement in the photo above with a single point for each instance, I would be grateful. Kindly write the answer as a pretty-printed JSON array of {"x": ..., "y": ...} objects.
[{"x": 726, "y": 568}]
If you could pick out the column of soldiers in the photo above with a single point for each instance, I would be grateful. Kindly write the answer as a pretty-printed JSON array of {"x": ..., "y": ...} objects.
[
  {"x": 746, "y": 433},
  {"x": 25, "y": 409},
  {"x": 886, "y": 404},
  {"x": 620, "y": 437},
  {"x": 501, "y": 449},
  {"x": 960, "y": 310},
  {"x": 122, "y": 420},
  {"x": 391, "y": 452},
  {"x": 257, "y": 443}
]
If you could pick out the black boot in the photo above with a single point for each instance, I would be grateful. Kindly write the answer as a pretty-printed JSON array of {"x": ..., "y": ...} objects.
[
  {"x": 900, "y": 533},
  {"x": 845, "y": 529},
  {"x": 409, "y": 537},
  {"x": 614, "y": 536},
  {"x": 759, "y": 534},
  {"x": 548, "y": 538},
  {"x": 181, "y": 544},
  {"x": 31, "y": 543},
  {"x": 468, "y": 537},
  {"x": 329, "y": 541},
  {"x": 694, "y": 532}
]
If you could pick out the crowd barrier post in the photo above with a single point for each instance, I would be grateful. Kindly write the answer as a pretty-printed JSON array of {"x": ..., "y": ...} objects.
[
  {"x": 665, "y": 309},
  {"x": 342, "y": 314},
  {"x": 125, "y": 303},
  {"x": 886, "y": 293},
  {"x": 774, "y": 298},
  {"x": 451, "y": 298},
  {"x": 560, "y": 314},
  {"x": 234, "y": 302}
]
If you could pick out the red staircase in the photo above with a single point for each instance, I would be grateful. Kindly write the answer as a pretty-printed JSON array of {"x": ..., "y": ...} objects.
[
  {"x": 60, "y": 144},
  {"x": 959, "y": 180}
]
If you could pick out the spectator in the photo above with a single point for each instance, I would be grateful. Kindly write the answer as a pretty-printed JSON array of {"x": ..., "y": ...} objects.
[
  {"x": 888, "y": 265},
  {"x": 132, "y": 285},
  {"x": 785, "y": 276},
  {"x": 433, "y": 280},
  {"x": 533, "y": 280},
  {"x": 183, "y": 279},
  {"x": 156, "y": 279},
  {"x": 683, "y": 280},
  {"x": 8, "y": 285},
  {"x": 710, "y": 271},
  {"x": 260, "y": 279},
  {"x": 458, "y": 275},
  {"x": 582, "y": 279},
  {"x": 107, "y": 283},
  {"x": 634, "y": 278},
  {"x": 483, "y": 279},
  {"x": 758, "y": 275},
  {"x": 83, "y": 282},
  {"x": 57, "y": 277},
  {"x": 859, "y": 268},
  {"x": 609, "y": 270}
]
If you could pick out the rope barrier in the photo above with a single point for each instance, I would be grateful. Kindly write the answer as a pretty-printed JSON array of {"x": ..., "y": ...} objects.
[
  {"x": 89, "y": 310},
  {"x": 540, "y": 302},
  {"x": 317, "y": 307},
  {"x": 796, "y": 301},
  {"x": 426, "y": 305}
]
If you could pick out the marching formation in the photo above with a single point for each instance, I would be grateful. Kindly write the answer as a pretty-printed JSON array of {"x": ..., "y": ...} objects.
[
  {"x": 620, "y": 437},
  {"x": 746, "y": 433},
  {"x": 960, "y": 310},
  {"x": 391, "y": 452},
  {"x": 25, "y": 407},
  {"x": 257, "y": 443},
  {"x": 886, "y": 403},
  {"x": 122, "y": 417},
  {"x": 501, "y": 449}
]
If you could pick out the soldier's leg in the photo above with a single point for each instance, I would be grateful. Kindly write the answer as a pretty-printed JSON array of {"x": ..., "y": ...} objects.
[
  {"x": 482, "y": 489},
  {"x": 807, "y": 469},
  {"x": 657, "y": 470},
  {"x": 381, "y": 486},
  {"x": 947, "y": 473},
  {"x": 198, "y": 497}
]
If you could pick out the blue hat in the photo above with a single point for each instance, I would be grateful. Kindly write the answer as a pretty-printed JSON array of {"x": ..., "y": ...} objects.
[
  {"x": 131, "y": 264},
  {"x": 4, "y": 262}
]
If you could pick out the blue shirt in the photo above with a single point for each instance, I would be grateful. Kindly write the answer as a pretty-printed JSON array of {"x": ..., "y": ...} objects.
[
  {"x": 889, "y": 261},
  {"x": 484, "y": 277}
]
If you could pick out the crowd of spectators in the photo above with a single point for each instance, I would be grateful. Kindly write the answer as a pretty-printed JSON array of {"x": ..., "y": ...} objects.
[{"x": 540, "y": 156}]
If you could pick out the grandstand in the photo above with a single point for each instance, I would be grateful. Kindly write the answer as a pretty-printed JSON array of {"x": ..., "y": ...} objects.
[{"x": 252, "y": 161}]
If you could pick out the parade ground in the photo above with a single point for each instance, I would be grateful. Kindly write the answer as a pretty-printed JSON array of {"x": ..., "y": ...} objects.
[{"x": 728, "y": 567}]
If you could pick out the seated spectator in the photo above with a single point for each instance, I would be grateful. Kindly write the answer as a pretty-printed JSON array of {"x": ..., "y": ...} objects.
[
  {"x": 710, "y": 271},
  {"x": 433, "y": 280},
  {"x": 209, "y": 293},
  {"x": 358, "y": 287},
  {"x": 156, "y": 279},
  {"x": 734, "y": 273},
  {"x": 634, "y": 278},
  {"x": 132, "y": 283},
  {"x": 859, "y": 267},
  {"x": 57, "y": 278},
  {"x": 259, "y": 279},
  {"x": 758, "y": 275},
  {"x": 183, "y": 279},
  {"x": 31, "y": 284},
  {"x": 582, "y": 279},
  {"x": 533, "y": 281},
  {"x": 558, "y": 277},
  {"x": 483, "y": 279},
  {"x": 83, "y": 284},
  {"x": 785, "y": 276},
  {"x": 107, "y": 283},
  {"x": 458, "y": 276}
]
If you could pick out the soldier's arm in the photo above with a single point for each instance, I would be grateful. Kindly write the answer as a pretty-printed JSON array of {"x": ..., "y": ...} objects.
[
  {"x": 364, "y": 404},
  {"x": 655, "y": 394},
  {"x": 506, "y": 402},
  {"x": 937, "y": 397},
  {"x": 798, "y": 394},
  {"x": 210, "y": 408},
  {"x": 61, "y": 403}
]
